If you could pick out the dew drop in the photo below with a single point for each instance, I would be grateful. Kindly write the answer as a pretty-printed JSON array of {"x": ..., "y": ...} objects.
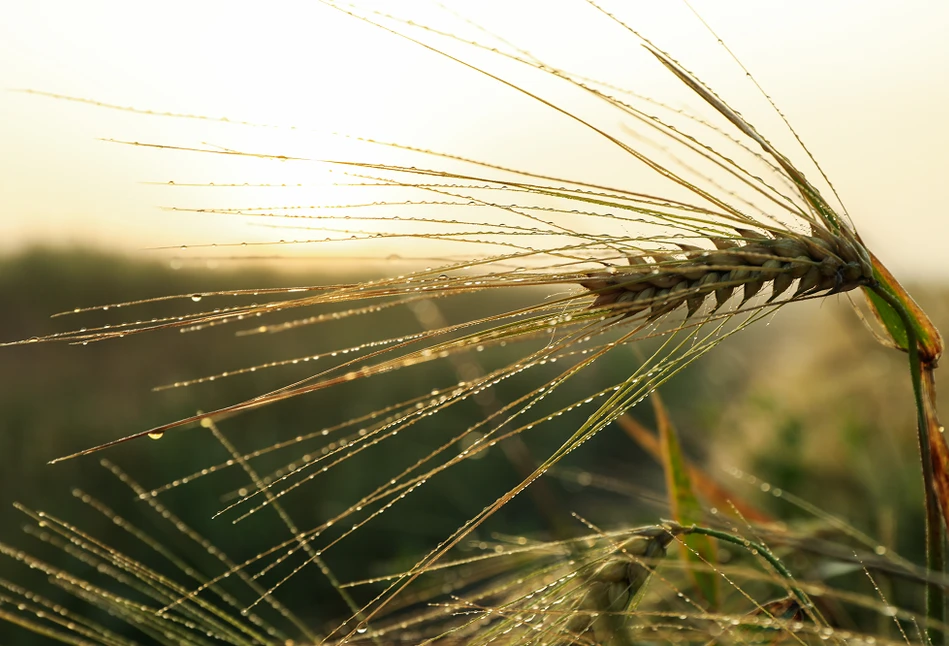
[{"x": 156, "y": 436}]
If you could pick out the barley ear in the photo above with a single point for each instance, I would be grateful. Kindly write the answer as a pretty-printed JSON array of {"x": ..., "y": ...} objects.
[
  {"x": 614, "y": 586},
  {"x": 690, "y": 275}
]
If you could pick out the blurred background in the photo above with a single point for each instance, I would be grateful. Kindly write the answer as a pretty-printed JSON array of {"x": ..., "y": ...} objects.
[{"x": 807, "y": 402}]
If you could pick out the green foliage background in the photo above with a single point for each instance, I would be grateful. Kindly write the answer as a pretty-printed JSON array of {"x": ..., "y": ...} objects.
[{"x": 825, "y": 416}]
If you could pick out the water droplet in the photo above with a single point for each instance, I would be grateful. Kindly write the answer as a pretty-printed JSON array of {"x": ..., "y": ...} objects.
[
  {"x": 156, "y": 436},
  {"x": 196, "y": 297}
]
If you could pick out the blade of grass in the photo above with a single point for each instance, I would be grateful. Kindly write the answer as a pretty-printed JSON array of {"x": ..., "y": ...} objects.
[
  {"x": 928, "y": 340},
  {"x": 758, "y": 549},
  {"x": 697, "y": 550},
  {"x": 713, "y": 492}
]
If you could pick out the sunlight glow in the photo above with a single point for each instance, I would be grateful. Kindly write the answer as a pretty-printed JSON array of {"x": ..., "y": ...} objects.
[{"x": 850, "y": 81}]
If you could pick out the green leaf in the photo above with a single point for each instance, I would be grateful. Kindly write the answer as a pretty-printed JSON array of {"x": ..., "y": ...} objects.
[
  {"x": 929, "y": 341},
  {"x": 698, "y": 551}
]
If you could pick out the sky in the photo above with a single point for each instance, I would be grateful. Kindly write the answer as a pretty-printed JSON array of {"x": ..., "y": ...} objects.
[{"x": 863, "y": 83}]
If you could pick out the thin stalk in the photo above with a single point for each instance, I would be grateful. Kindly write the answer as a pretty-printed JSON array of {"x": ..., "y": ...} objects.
[
  {"x": 763, "y": 551},
  {"x": 935, "y": 552}
]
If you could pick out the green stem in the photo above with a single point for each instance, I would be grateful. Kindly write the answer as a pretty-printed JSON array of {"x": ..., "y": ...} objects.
[
  {"x": 935, "y": 554},
  {"x": 761, "y": 550}
]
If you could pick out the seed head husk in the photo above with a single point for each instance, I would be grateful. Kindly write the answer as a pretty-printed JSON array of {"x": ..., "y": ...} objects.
[{"x": 665, "y": 280}]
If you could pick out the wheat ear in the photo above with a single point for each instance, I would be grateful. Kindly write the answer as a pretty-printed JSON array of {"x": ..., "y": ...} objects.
[
  {"x": 611, "y": 586},
  {"x": 659, "y": 282}
]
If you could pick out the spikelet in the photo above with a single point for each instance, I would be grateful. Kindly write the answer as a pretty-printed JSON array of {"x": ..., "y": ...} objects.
[
  {"x": 586, "y": 596},
  {"x": 613, "y": 585},
  {"x": 822, "y": 264}
]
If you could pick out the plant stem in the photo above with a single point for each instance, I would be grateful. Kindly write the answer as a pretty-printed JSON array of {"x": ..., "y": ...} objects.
[
  {"x": 935, "y": 553},
  {"x": 761, "y": 550}
]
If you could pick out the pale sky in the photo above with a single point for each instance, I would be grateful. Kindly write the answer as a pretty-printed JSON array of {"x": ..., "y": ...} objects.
[{"x": 866, "y": 84}]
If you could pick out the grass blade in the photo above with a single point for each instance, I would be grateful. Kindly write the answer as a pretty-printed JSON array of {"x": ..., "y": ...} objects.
[
  {"x": 710, "y": 490},
  {"x": 697, "y": 550},
  {"x": 928, "y": 340}
]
